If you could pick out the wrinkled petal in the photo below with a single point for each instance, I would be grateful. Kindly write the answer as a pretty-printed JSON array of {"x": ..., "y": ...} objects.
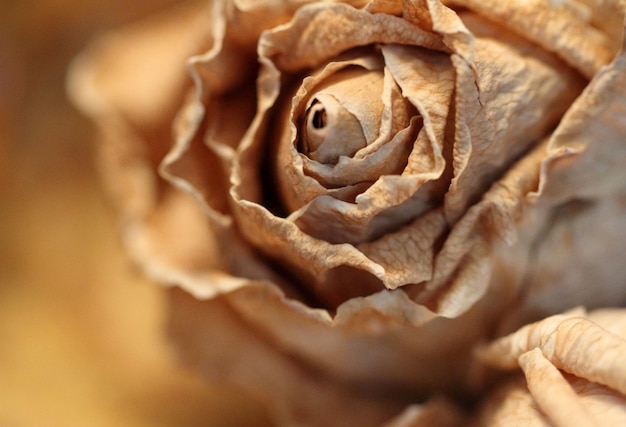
[
  {"x": 234, "y": 351},
  {"x": 114, "y": 81},
  {"x": 482, "y": 188},
  {"x": 513, "y": 404},
  {"x": 553, "y": 394},
  {"x": 573, "y": 364},
  {"x": 591, "y": 133},
  {"x": 568, "y": 28},
  {"x": 475, "y": 163},
  {"x": 373, "y": 353},
  {"x": 582, "y": 181},
  {"x": 572, "y": 343},
  {"x": 514, "y": 102}
]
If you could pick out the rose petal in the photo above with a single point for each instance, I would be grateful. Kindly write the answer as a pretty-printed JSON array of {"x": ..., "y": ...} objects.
[
  {"x": 509, "y": 405},
  {"x": 296, "y": 175},
  {"x": 591, "y": 134},
  {"x": 374, "y": 353},
  {"x": 114, "y": 81},
  {"x": 588, "y": 235},
  {"x": 611, "y": 319},
  {"x": 472, "y": 177},
  {"x": 144, "y": 98},
  {"x": 558, "y": 27},
  {"x": 326, "y": 30},
  {"x": 573, "y": 343},
  {"x": 427, "y": 81},
  {"x": 437, "y": 412},
  {"x": 468, "y": 254},
  {"x": 582, "y": 181},
  {"x": 236, "y": 352},
  {"x": 384, "y": 156},
  {"x": 136, "y": 110},
  {"x": 513, "y": 404},
  {"x": 553, "y": 394},
  {"x": 519, "y": 95}
]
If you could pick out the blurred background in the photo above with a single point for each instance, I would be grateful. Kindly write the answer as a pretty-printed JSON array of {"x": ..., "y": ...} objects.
[{"x": 81, "y": 337}]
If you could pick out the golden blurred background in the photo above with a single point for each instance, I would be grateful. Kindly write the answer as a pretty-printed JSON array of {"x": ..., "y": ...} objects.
[{"x": 81, "y": 333}]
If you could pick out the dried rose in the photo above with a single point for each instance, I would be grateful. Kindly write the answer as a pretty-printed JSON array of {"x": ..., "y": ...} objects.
[
  {"x": 370, "y": 182},
  {"x": 574, "y": 369}
]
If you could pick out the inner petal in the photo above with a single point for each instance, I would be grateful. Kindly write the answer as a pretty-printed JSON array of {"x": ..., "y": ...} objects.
[
  {"x": 343, "y": 115},
  {"x": 330, "y": 131},
  {"x": 384, "y": 156}
]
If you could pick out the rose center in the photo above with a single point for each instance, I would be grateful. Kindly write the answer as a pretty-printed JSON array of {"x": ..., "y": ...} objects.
[
  {"x": 319, "y": 117},
  {"x": 342, "y": 116}
]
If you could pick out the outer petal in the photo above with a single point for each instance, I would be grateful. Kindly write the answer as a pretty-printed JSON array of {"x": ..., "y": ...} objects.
[
  {"x": 513, "y": 404},
  {"x": 553, "y": 394},
  {"x": 572, "y": 343},
  {"x": 570, "y": 29},
  {"x": 583, "y": 184},
  {"x": 224, "y": 345},
  {"x": 114, "y": 82},
  {"x": 591, "y": 133},
  {"x": 437, "y": 412},
  {"x": 381, "y": 354},
  {"x": 509, "y": 405},
  {"x": 593, "y": 392}
]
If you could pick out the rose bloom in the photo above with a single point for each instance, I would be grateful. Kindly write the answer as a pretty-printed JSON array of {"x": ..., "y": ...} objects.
[{"x": 349, "y": 197}]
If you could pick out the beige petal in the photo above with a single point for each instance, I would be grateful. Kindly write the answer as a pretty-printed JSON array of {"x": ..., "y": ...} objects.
[
  {"x": 591, "y": 133},
  {"x": 383, "y": 341},
  {"x": 505, "y": 351},
  {"x": 389, "y": 159},
  {"x": 605, "y": 405},
  {"x": 558, "y": 27},
  {"x": 116, "y": 75},
  {"x": 512, "y": 403},
  {"x": 572, "y": 343},
  {"x": 426, "y": 80},
  {"x": 437, "y": 412},
  {"x": 574, "y": 370},
  {"x": 326, "y": 30},
  {"x": 408, "y": 253},
  {"x": 300, "y": 179},
  {"x": 311, "y": 259},
  {"x": 295, "y": 360},
  {"x": 611, "y": 319},
  {"x": 115, "y": 82},
  {"x": 444, "y": 21},
  {"x": 271, "y": 233},
  {"x": 384, "y": 156},
  {"x": 292, "y": 388},
  {"x": 218, "y": 74},
  {"x": 520, "y": 93},
  {"x": 554, "y": 396},
  {"x": 509, "y": 405},
  {"x": 582, "y": 181},
  {"x": 474, "y": 174},
  {"x": 378, "y": 352},
  {"x": 344, "y": 91},
  {"x": 463, "y": 267},
  {"x": 577, "y": 259},
  {"x": 353, "y": 29},
  {"x": 232, "y": 57}
]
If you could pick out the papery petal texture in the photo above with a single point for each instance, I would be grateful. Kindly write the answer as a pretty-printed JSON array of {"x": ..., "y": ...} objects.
[
  {"x": 352, "y": 194},
  {"x": 573, "y": 365}
]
